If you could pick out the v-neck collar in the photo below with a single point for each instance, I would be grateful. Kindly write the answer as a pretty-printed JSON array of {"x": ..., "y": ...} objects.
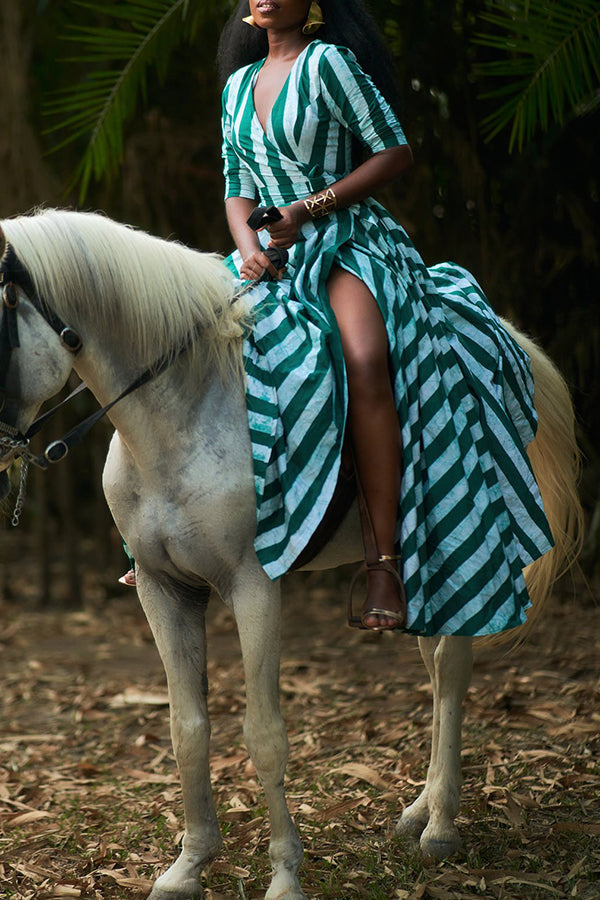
[{"x": 283, "y": 91}]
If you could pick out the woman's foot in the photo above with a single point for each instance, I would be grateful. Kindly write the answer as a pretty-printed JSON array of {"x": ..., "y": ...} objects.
[
  {"x": 385, "y": 607},
  {"x": 128, "y": 578}
]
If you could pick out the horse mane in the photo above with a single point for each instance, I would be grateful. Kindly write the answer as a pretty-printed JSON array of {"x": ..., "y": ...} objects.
[{"x": 150, "y": 294}]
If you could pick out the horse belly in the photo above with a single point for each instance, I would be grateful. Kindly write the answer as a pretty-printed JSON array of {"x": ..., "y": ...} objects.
[{"x": 344, "y": 547}]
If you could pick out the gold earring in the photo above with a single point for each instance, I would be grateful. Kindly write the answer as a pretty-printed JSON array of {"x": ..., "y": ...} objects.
[
  {"x": 249, "y": 20},
  {"x": 315, "y": 19}
]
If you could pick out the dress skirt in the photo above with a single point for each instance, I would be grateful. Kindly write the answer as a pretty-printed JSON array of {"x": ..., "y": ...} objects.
[{"x": 470, "y": 515}]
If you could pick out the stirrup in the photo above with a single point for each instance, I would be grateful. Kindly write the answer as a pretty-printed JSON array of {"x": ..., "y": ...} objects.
[{"x": 383, "y": 564}]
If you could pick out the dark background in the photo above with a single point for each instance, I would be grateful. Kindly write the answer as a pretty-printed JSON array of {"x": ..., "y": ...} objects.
[{"x": 526, "y": 224}]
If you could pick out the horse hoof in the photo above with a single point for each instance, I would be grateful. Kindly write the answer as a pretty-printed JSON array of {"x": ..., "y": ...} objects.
[
  {"x": 159, "y": 894},
  {"x": 440, "y": 848},
  {"x": 410, "y": 826},
  {"x": 282, "y": 891},
  {"x": 293, "y": 894}
]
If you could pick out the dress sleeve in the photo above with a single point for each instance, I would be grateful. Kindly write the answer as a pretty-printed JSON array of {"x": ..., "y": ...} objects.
[
  {"x": 352, "y": 99},
  {"x": 238, "y": 178}
]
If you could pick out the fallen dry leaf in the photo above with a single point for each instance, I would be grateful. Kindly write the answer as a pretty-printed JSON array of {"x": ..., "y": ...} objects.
[
  {"x": 19, "y": 820},
  {"x": 363, "y": 773},
  {"x": 103, "y": 777}
]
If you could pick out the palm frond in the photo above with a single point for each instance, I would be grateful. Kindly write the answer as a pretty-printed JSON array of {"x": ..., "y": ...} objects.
[
  {"x": 549, "y": 63},
  {"x": 118, "y": 58}
]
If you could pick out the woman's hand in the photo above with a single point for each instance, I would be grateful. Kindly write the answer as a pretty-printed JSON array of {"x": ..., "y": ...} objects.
[
  {"x": 286, "y": 231},
  {"x": 254, "y": 265}
]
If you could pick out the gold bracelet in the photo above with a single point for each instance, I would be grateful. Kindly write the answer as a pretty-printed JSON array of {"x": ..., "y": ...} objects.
[{"x": 321, "y": 204}]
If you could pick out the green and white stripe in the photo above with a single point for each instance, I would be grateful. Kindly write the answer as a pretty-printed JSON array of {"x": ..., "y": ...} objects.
[{"x": 470, "y": 513}]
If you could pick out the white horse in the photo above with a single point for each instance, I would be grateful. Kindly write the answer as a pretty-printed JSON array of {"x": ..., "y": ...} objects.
[{"x": 179, "y": 482}]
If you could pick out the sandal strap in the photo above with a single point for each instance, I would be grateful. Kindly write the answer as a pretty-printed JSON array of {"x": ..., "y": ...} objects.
[
  {"x": 389, "y": 613},
  {"x": 383, "y": 564}
]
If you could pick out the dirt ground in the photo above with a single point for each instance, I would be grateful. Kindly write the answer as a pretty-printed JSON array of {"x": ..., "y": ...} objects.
[{"x": 90, "y": 804}]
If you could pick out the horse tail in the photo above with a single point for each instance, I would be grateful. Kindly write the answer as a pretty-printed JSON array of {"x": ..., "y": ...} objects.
[{"x": 556, "y": 463}]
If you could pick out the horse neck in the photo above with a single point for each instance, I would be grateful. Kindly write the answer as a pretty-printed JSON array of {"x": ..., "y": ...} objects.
[{"x": 161, "y": 413}]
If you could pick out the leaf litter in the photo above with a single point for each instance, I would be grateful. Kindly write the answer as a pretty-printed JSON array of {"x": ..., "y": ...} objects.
[{"x": 90, "y": 803}]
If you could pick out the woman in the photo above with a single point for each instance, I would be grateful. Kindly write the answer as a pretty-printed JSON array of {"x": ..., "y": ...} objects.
[{"x": 356, "y": 336}]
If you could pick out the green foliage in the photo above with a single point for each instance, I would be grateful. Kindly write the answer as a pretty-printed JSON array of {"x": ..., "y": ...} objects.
[
  {"x": 548, "y": 63},
  {"x": 141, "y": 37},
  {"x": 545, "y": 64},
  {"x": 525, "y": 225}
]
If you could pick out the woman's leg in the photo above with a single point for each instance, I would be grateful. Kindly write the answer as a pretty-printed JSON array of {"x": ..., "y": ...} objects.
[{"x": 373, "y": 425}]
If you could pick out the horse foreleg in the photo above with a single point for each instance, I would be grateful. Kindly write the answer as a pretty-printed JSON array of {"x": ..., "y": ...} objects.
[
  {"x": 178, "y": 627},
  {"x": 449, "y": 662},
  {"x": 258, "y": 610}
]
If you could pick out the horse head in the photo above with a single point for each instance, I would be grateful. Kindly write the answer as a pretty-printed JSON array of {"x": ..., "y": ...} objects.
[{"x": 36, "y": 355}]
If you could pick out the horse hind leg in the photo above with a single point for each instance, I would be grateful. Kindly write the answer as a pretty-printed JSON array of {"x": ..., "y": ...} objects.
[
  {"x": 415, "y": 817},
  {"x": 256, "y": 603},
  {"x": 178, "y": 626},
  {"x": 453, "y": 661},
  {"x": 449, "y": 662}
]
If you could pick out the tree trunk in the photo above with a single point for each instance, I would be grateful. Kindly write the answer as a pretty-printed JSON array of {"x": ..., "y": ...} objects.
[{"x": 26, "y": 178}]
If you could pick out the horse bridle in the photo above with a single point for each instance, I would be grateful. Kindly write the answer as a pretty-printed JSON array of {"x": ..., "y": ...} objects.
[{"x": 14, "y": 278}]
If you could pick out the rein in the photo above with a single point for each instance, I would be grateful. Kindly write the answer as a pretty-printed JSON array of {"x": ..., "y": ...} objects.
[{"x": 14, "y": 276}]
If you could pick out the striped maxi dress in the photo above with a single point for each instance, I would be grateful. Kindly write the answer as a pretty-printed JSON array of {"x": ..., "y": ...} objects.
[{"x": 470, "y": 513}]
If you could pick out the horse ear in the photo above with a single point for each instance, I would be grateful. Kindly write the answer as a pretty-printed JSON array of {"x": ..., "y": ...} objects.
[{"x": 2, "y": 242}]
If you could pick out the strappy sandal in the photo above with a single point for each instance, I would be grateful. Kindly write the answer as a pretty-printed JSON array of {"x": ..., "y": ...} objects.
[
  {"x": 128, "y": 578},
  {"x": 383, "y": 563},
  {"x": 374, "y": 562}
]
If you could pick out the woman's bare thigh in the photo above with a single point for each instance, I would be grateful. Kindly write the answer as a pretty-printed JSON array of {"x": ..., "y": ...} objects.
[{"x": 361, "y": 325}]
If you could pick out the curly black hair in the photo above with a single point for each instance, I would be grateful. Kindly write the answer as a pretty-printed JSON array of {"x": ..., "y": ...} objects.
[{"x": 348, "y": 23}]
